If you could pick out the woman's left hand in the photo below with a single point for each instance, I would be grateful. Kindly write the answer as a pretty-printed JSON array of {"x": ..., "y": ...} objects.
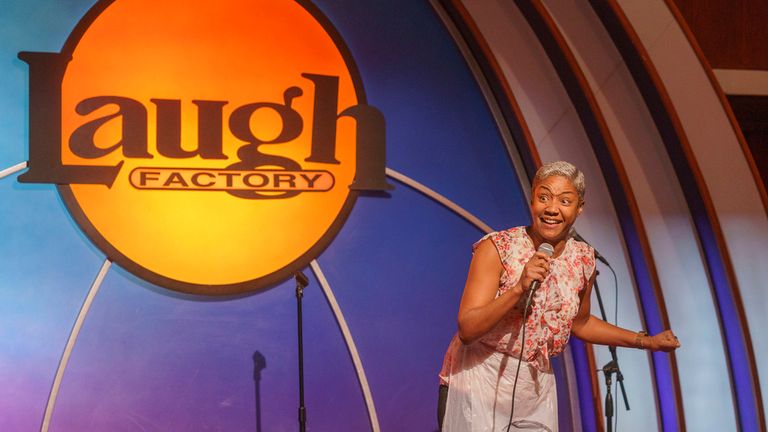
[{"x": 665, "y": 341}]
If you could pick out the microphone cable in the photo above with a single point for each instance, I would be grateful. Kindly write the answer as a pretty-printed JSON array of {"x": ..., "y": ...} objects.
[
  {"x": 548, "y": 250},
  {"x": 616, "y": 323},
  {"x": 520, "y": 359}
]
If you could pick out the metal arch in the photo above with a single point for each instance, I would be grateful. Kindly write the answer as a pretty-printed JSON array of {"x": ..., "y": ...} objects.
[
  {"x": 351, "y": 347},
  {"x": 71, "y": 343},
  {"x": 441, "y": 199},
  {"x": 336, "y": 309},
  {"x": 13, "y": 169},
  {"x": 75, "y": 332}
]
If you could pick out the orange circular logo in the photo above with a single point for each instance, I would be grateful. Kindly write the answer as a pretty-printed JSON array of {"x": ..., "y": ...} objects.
[{"x": 207, "y": 147}]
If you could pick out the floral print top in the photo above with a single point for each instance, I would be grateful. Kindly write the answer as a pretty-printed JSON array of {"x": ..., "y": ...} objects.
[{"x": 554, "y": 304}]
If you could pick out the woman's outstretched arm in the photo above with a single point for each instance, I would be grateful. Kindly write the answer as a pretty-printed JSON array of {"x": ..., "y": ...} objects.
[{"x": 594, "y": 330}]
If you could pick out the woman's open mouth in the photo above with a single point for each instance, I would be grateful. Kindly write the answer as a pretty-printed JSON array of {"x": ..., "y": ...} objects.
[{"x": 550, "y": 221}]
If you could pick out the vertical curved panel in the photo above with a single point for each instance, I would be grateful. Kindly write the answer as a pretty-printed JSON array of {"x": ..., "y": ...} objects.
[
  {"x": 705, "y": 66},
  {"x": 741, "y": 358},
  {"x": 671, "y": 232},
  {"x": 734, "y": 196},
  {"x": 590, "y": 408},
  {"x": 493, "y": 78},
  {"x": 654, "y": 309}
]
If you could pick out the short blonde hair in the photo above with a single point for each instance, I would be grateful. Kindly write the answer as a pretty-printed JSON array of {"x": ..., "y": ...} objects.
[{"x": 564, "y": 169}]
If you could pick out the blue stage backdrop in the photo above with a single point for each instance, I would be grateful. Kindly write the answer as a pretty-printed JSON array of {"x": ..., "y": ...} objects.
[{"x": 149, "y": 358}]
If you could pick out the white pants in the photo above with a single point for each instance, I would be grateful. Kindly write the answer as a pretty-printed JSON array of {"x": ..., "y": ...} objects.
[{"x": 480, "y": 394}]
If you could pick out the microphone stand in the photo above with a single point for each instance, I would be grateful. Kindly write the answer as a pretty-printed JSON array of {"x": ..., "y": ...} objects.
[
  {"x": 301, "y": 283},
  {"x": 610, "y": 368}
]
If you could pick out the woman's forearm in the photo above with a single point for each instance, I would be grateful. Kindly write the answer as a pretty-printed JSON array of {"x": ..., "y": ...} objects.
[
  {"x": 597, "y": 331},
  {"x": 475, "y": 322}
]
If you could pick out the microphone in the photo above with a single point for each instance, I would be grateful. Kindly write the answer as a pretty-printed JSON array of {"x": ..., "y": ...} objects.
[
  {"x": 577, "y": 237},
  {"x": 547, "y": 250},
  {"x": 301, "y": 279}
]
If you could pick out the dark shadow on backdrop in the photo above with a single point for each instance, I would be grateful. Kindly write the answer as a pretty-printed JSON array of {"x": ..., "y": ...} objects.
[{"x": 259, "y": 364}]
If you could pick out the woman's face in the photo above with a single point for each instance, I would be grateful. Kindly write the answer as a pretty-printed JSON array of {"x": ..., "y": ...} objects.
[{"x": 554, "y": 208}]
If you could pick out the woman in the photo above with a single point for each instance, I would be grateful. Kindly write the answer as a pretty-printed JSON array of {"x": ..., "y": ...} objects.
[{"x": 486, "y": 363}]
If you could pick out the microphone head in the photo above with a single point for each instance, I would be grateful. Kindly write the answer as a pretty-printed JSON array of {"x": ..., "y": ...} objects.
[
  {"x": 301, "y": 279},
  {"x": 546, "y": 249}
]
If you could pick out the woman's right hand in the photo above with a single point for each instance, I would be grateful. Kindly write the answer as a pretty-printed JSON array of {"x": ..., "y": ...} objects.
[{"x": 536, "y": 269}]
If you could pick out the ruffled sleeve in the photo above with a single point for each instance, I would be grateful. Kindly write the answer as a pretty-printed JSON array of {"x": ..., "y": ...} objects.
[
  {"x": 495, "y": 237},
  {"x": 584, "y": 258}
]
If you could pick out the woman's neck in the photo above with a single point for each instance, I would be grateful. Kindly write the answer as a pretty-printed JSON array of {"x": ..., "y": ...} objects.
[{"x": 537, "y": 240}]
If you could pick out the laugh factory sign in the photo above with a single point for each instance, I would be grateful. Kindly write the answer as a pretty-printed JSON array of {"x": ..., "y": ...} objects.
[{"x": 206, "y": 147}]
